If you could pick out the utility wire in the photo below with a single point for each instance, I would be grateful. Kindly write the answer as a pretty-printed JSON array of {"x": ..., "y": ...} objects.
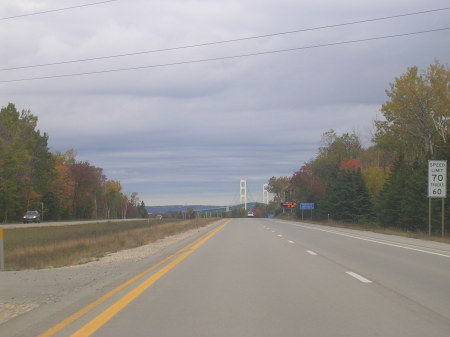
[
  {"x": 56, "y": 10},
  {"x": 224, "y": 41},
  {"x": 226, "y": 57}
]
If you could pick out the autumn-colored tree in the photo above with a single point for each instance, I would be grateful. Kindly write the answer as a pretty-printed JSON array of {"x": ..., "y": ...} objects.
[
  {"x": 375, "y": 178},
  {"x": 113, "y": 200},
  {"x": 280, "y": 187},
  {"x": 64, "y": 189},
  {"x": 26, "y": 166},
  {"x": 377, "y": 164},
  {"x": 417, "y": 114},
  {"x": 346, "y": 180},
  {"x": 416, "y": 128},
  {"x": 351, "y": 164},
  {"x": 31, "y": 177},
  {"x": 88, "y": 180},
  {"x": 333, "y": 150},
  {"x": 306, "y": 187},
  {"x": 58, "y": 201}
]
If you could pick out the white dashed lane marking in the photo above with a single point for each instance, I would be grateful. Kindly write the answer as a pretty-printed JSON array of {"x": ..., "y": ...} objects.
[
  {"x": 311, "y": 252},
  {"x": 358, "y": 277}
]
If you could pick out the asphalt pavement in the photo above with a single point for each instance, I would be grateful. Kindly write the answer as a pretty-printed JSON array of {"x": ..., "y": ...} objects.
[{"x": 261, "y": 277}]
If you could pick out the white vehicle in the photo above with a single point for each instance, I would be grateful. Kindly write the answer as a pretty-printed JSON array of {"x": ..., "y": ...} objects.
[{"x": 250, "y": 215}]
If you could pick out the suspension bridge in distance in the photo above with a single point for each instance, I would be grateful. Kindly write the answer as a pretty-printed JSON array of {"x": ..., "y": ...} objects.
[{"x": 243, "y": 203}]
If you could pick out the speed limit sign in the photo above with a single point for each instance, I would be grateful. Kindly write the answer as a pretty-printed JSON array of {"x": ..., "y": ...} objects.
[{"x": 437, "y": 179}]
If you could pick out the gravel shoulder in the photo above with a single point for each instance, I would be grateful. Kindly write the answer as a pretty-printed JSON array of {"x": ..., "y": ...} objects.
[{"x": 22, "y": 292}]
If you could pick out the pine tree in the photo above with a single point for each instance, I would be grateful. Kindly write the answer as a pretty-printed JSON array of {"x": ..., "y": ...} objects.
[
  {"x": 413, "y": 215},
  {"x": 390, "y": 200},
  {"x": 363, "y": 208},
  {"x": 347, "y": 198}
]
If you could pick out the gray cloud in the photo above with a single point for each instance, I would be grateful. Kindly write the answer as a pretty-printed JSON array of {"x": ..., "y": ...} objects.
[{"x": 188, "y": 133}]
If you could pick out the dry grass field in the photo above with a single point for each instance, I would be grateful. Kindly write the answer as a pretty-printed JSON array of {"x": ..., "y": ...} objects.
[{"x": 49, "y": 247}]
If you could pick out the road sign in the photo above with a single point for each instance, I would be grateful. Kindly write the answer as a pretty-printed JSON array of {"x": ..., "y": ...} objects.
[
  {"x": 289, "y": 204},
  {"x": 307, "y": 205},
  {"x": 437, "y": 179}
]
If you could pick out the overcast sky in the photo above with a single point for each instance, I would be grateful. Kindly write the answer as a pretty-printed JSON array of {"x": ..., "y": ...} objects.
[{"x": 187, "y": 133}]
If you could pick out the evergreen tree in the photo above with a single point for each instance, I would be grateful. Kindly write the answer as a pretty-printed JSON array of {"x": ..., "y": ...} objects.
[
  {"x": 413, "y": 206},
  {"x": 347, "y": 198},
  {"x": 363, "y": 208},
  {"x": 390, "y": 199}
]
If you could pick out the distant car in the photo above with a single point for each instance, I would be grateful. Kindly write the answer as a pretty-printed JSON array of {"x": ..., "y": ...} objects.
[
  {"x": 32, "y": 216},
  {"x": 250, "y": 215}
]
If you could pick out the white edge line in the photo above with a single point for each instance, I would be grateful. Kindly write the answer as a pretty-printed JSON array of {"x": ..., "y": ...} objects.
[
  {"x": 358, "y": 277},
  {"x": 375, "y": 241}
]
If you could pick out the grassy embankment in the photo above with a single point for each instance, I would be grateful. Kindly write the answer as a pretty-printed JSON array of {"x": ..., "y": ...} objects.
[{"x": 46, "y": 247}]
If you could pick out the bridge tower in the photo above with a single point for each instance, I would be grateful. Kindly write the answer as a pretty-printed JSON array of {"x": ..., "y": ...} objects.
[
  {"x": 243, "y": 193},
  {"x": 265, "y": 194}
]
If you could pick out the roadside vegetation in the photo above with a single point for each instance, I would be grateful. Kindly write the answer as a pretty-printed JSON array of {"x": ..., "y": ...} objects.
[
  {"x": 48, "y": 247},
  {"x": 383, "y": 185},
  {"x": 55, "y": 184}
]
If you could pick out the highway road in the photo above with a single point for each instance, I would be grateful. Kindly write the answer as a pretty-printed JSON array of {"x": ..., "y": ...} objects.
[{"x": 261, "y": 277}]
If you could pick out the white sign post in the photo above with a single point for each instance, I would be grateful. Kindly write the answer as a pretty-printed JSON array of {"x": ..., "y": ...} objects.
[{"x": 437, "y": 186}]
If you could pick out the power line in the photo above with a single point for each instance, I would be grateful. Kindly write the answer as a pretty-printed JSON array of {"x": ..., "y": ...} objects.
[
  {"x": 225, "y": 57},
  {"x": 57, "y": 10},
  {"x": 224, "y": 41}
]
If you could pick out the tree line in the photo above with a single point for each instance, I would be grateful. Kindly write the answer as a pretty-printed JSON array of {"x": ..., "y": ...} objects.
[
  {"x": 385, "y": 183},
  {"x": 33, "y": 178}
]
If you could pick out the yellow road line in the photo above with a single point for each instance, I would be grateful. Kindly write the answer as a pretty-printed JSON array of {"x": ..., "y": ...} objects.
[
  {"x": 110, "y": 312},
  {"x": 69, "y": 320}
]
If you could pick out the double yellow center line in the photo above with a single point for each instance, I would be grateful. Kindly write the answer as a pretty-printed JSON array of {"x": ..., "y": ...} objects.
[{"x": 111, "y": 311}]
